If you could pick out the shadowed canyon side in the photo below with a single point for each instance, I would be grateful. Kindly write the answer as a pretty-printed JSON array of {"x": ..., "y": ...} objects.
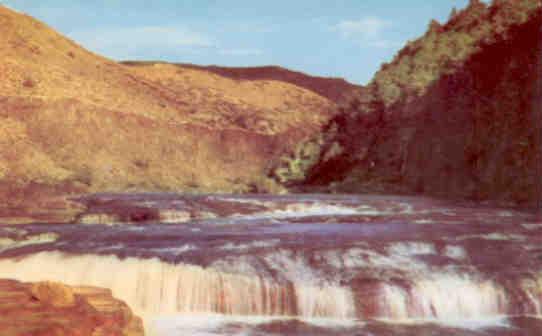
[
  {"x": 53, "y": 309},
  {"x": 70, "y": 119},
  {"x": 456, "y": 114}
]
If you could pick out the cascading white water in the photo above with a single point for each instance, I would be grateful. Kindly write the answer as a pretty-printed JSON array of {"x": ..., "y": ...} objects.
[
  {"x": 533, "y": 291},
  {"x": 152, "y": 287},
  {"x": 44, "y": 238},
  {"x": 444, "y": 297},
  {"x": 102, "y": 219},
  {"x": 174, "y": 216}
]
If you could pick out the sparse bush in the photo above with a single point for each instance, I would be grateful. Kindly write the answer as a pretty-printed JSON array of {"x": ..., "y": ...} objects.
[
  {"x": 83, "y": 176},
  {"x": 141, "y": 164},
  {"x": 4, "y": 169},
  {"x": 294, "y": 167},
  {"x": 29, "y": 83}
]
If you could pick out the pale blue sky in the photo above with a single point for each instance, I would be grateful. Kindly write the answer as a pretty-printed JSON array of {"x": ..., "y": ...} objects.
[{"x": 340, "y": 38}]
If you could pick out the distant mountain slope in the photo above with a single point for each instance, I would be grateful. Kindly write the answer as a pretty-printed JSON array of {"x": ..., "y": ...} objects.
[
  {"x": 74, "y": 120},
  {"x": 265, "y": 106},
  {"x": 333, "y": 89},
  {"x": 457, "y": 114}
]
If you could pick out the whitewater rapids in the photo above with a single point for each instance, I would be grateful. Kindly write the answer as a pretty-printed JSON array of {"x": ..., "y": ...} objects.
[
  {"x": 251, "y": 260},
  {"x": 152, "y": 287}
]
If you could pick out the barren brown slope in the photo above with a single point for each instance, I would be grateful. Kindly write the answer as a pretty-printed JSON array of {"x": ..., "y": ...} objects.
[
  {"x": 73, "y": 120},
  {"x": 265, "y": 106},
  {"x": 333, "y": 89}
]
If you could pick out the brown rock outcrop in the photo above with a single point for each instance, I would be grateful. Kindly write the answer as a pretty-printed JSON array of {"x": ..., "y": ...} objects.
[
  {"x": 52, "y": 309},
  {"x": 55, "y": 294}
]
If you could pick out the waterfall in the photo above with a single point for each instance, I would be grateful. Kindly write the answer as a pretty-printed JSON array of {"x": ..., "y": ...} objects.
[
  {"x": 443, "y": 297},
  {"x": 533, "y": 291},
  {"x": 153, "y": 287}
]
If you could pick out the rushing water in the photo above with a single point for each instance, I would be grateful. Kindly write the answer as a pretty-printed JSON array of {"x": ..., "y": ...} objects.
[{"x": 296, "y": 265}]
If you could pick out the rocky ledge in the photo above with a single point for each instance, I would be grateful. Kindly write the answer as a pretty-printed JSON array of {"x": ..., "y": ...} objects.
[{"x": 53, "y": 309}]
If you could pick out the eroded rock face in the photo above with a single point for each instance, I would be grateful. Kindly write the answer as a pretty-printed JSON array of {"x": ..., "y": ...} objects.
[
  {"x": 49, "y": 308},
  {"x": 55, "y": 294},
  {"x": 36, "y": 203},
  {"x": 456, "y": 114}
]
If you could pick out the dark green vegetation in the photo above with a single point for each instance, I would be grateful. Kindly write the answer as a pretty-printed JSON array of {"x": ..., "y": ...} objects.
[{"x": 455, "y": 114}]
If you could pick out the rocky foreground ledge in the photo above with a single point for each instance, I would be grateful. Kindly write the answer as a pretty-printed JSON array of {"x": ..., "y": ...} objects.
[{"x": 53, "y": 309}]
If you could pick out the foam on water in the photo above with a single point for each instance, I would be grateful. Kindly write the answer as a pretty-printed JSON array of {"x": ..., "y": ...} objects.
[
  {"x": 494, "y": 236},
  {"x": 100, "y": 219},
  {"x": 444, "y": 297},
  {"x": 424, "y": 221},
  {"x": 241, "y": 200},
  {"x": 314, "y": 209},
  {"x": 246, "y": 246},
  {"x": 360, "y": 257},
  {"x": 532, "y": 226},
  {"x": 294, "y": 267},
  {"x": 16, "y": 231},
  {"x": 455, "y": 252},
  {"x": 298, "y": 210},
  {"x": 478, "y": 324},
  {"x": 174, "y": 216},
  {"x": 393, "y": 261},
  {"x": 198, "y": 325},
  {"x": 411, "y": 248},
  {"x": 533, "y": 290},
  {"x": 176, "y": 250},
  {"x": 214, "y": 325},
  {"x": 220, "y": 325},
  {"x": 350, "y": 258},
  {"x": 153, "y": 287},
  {"x": 44, "y": 238}
]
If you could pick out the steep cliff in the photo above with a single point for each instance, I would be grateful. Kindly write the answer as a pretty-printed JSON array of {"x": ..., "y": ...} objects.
[{"x": 456, "y": 113}]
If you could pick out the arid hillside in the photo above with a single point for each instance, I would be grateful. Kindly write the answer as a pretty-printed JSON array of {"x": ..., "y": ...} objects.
[
  {"x": 454, "y": 114},
  {"x": 457, "y": 113},
  {"x": 71, "y": 120},
  {"x": 264, "y": 106},
  {"x": 334, "y": 89}
]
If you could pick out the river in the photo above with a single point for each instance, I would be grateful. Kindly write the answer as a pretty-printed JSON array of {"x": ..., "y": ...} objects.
[{"x": 297, "y": 264}]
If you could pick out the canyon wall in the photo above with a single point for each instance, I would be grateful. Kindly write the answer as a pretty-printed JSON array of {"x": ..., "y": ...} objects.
[{"x": 456, "y": 114}]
